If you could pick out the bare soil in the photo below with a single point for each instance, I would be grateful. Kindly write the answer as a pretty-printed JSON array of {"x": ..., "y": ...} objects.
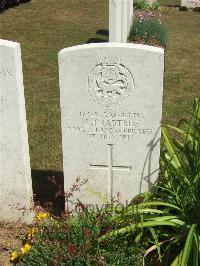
[{"x": 11, "y": 235}]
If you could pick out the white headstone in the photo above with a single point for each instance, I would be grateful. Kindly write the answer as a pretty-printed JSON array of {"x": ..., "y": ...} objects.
[
  {"x": 120, "y": 19},
  {"x": 16, "y": 197},
  {"x": 190, "y": 3},
  {"x": 130, "y": 17},
  {"x": 111, "y": 105},
  {"x": 126, "y": 18},
  {"x": 115, "y": 24}
]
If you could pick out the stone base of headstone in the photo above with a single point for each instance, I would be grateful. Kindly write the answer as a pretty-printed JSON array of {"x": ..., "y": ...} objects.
[{"x": 14, "y": 214}]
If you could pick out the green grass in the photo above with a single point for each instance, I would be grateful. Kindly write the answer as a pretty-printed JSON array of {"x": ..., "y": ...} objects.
[
  {"x": 182, "y": 64},
  {"x": 45, "y": 27},
  {"x": 170, "y": 2}
]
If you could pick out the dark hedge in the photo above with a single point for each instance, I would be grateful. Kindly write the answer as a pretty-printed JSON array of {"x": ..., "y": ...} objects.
[{"x": 4, "y": 4}]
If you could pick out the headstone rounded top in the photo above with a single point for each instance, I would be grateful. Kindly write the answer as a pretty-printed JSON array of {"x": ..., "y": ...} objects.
[{"x": 112, "y": 45}]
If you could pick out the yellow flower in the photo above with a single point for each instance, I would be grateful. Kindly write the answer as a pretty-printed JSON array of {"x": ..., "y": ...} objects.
[
  {"x": 14, "y": 255},
  {"x": 42, "y": 215},
  {"x": 31, "y": 232},
  {"x": 25, "y": 248}
]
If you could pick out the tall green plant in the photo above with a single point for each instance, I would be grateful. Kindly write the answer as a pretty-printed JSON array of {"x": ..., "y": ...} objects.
[
  {"x": 141, "y": 4},
  {"x": 144, "y": 5},
  {"x": 170, "y": 214}
]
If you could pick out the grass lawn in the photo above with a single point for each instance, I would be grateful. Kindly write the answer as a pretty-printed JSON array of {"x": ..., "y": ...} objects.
[
  {"x": 45, "y": 27},
  {"x": 182, "y": 63}
]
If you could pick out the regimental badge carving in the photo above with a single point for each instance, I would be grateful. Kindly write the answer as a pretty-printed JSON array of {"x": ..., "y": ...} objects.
[{"x": 110, "y": 83}]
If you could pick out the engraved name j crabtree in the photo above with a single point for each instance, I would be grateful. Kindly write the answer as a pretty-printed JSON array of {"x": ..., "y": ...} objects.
[{"x": 110, "y": 83}]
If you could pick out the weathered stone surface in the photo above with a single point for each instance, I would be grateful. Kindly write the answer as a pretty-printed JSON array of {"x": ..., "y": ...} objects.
[
  {"x": 127, "y": 16},
  {"x": 111, "y": 105},
  {"x": 15, "y": 174},
  {"x": 120, "y": 19},
  {"x": 115, "y": 23},
  {"x": 190, "y": 3}
]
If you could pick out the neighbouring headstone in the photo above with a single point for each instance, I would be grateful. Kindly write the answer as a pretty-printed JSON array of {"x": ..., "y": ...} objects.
[
  {"x": 16, "y": 199},
  {"x": 120, "y": 19},
  {"x": 190, "y": 3},
  {"x": 115, "y": 24},
  {"x": 127, "y": 16},
  {"x": 111, "y": 105},
  {"x": 130, "y": 17}
]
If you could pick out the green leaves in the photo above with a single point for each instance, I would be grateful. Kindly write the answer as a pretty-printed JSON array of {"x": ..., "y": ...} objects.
[
  {"x": 169, "y": 215},
  {"x": 188, "y": 246},
  {"x": 153, "y": 232},
  {"x": 175, "y": 159},
  {"x": 152, "y": 222},
  {"x": 186, "y": 257}
]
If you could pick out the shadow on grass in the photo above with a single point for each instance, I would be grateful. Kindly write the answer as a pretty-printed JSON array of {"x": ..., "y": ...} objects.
[
  {"x": 103, "y": 32},
  {"x": 48, "y": 190},
  {"x": 96, "y": 40},
  {"x": 172, "y": 5}
]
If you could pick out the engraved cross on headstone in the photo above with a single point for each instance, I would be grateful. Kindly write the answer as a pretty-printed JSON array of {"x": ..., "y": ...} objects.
[{"x": 110, "y": 168}]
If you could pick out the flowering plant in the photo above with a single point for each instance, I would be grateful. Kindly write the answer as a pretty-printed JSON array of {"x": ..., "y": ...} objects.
[
  {"x": 73, "y": 240},
  {"x": 147, "y": 15},
  {"x": 148, "y": 29}
]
